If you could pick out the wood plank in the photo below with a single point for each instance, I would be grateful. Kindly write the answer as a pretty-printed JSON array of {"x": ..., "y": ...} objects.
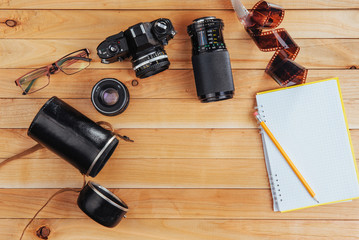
[
  {"x": 170, "y": 84},
  {"x": 140, "y": 173},
  {"x": 315, "y": 53},
  {"x": 158, "y": 113},
  {"x": 146, "y": 113},
  {"x": 159, "y": 143},
  {"x": 164, "y": 143},
  {"x": 95, "y": 24},
  {"x": 171, "y": 203},
  {"x": 169, "y": 4},
  {"x": 158, "y": 229}
]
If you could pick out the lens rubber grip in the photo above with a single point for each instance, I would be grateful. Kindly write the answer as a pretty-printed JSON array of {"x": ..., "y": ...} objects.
[{"x": 212, "y": 72}]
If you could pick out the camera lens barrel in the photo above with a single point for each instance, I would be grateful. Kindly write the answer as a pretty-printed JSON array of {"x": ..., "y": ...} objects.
[
  {"x": 150, "y": 64},
  {"x": 110, "y": 96},
  {"x": 210, "y": 60}
]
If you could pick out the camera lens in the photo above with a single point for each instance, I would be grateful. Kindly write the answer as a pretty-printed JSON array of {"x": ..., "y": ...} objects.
[
  {"x": 110, "y": 96},
  {"x": 146, "y": 65},
  {"x": 210, "y": 60}
]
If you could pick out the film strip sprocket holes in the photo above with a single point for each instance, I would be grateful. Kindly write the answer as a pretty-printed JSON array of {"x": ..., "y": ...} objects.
[{"x": 282, "y": 67}]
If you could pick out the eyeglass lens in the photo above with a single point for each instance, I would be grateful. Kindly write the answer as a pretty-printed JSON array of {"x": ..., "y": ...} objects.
[
  {"x": 34, "y": 80},
  {"x": 74, "y": 62}
]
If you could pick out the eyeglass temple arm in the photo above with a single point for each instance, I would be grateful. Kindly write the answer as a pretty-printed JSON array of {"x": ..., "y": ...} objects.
[{"x": 79, "y": 58}]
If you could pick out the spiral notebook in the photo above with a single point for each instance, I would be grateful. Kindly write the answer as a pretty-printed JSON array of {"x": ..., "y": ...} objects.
[{"x": 309, "y": 122}]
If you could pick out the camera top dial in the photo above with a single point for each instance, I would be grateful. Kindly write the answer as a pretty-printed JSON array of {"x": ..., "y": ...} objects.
[{"x": 163, "y": 30}]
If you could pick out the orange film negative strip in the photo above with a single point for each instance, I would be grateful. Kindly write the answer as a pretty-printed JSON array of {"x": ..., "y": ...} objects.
[{"x": 282, "y": 67}]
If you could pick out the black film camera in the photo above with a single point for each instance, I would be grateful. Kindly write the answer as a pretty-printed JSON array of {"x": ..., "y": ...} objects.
[{"x": 144, "y": 42}]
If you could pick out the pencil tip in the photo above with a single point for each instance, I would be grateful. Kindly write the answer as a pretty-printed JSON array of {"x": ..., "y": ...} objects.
[{"x": 316, "y": 199}]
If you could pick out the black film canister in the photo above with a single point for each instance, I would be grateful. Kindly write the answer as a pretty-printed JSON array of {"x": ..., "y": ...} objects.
[{"x": 72, "y": 136}]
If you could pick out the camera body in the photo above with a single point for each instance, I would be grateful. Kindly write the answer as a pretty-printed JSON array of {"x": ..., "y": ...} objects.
[{"x": 144, "y": 42}]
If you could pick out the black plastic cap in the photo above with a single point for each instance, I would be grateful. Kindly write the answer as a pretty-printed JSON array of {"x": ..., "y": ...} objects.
[{"x": 101, "y": 205}]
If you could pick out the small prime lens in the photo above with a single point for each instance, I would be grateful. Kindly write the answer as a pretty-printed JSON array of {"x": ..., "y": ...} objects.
[
  {"x": 210, "y": 60},
  {"x": 110, "y": 96}
]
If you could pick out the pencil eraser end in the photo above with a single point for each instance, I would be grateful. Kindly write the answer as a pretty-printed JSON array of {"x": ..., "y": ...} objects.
[{"x": 255, "y": 113}]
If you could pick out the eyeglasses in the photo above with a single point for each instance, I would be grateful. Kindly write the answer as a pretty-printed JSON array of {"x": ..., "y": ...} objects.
[{"x": 39, "y": 78}]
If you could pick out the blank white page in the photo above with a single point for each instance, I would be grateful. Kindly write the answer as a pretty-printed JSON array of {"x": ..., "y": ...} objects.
[{"x": 309, "y": 123}]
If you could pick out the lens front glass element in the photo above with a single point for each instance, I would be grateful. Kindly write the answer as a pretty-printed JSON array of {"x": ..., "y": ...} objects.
[
  {"x": 34, "y": 81},
  {"x": 110, "y": 96}
]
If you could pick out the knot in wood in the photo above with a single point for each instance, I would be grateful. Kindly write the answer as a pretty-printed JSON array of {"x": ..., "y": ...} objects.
[
  {"x": 134, "y": 83},
  {"x": 43, "y": 232},
  {"x": 10, "y": 23}
]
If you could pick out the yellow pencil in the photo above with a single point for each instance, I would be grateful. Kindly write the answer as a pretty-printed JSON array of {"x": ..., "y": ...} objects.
[{"x": 281, "y": 150}]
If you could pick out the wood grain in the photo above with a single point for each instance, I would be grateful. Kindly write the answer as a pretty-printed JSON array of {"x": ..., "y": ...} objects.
[
  {"x": 164, "y": 143},
  {"x": 145, "y": 113},
  {"x": 140, "y": 173},
  {"x": 159, "y": 229},
  {"x": 159, "y": 143},
  {"x": 169, "y": 4},
  {"x": 171, "y": 203},
  {"x": 96, "y": 24},
  {"x": 314, "y": 54},
  {"x": 159, "y": 113},
  {"x": 170, "y": 84}
]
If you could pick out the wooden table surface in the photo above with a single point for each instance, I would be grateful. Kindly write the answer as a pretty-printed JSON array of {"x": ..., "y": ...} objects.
[{"x": 195, "y": 171}]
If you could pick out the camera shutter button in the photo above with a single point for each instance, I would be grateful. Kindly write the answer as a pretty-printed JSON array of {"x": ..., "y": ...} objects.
[{"x": 113, "y": 48}]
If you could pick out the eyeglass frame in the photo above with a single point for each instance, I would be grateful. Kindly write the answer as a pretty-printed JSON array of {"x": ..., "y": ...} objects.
[{"x": 54, "y": 68}]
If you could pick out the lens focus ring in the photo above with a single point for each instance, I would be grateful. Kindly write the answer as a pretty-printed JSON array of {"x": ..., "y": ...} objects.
[
  {"x": 206, "y": 35},
  {"x": 151, "y": 63}
]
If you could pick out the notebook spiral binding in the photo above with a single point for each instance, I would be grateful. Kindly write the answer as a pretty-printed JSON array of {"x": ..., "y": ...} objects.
[{"x": 273, "y": 178}]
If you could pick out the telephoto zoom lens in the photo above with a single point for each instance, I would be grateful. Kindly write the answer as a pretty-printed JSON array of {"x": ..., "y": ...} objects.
[{"x": 210, "y": 60}]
